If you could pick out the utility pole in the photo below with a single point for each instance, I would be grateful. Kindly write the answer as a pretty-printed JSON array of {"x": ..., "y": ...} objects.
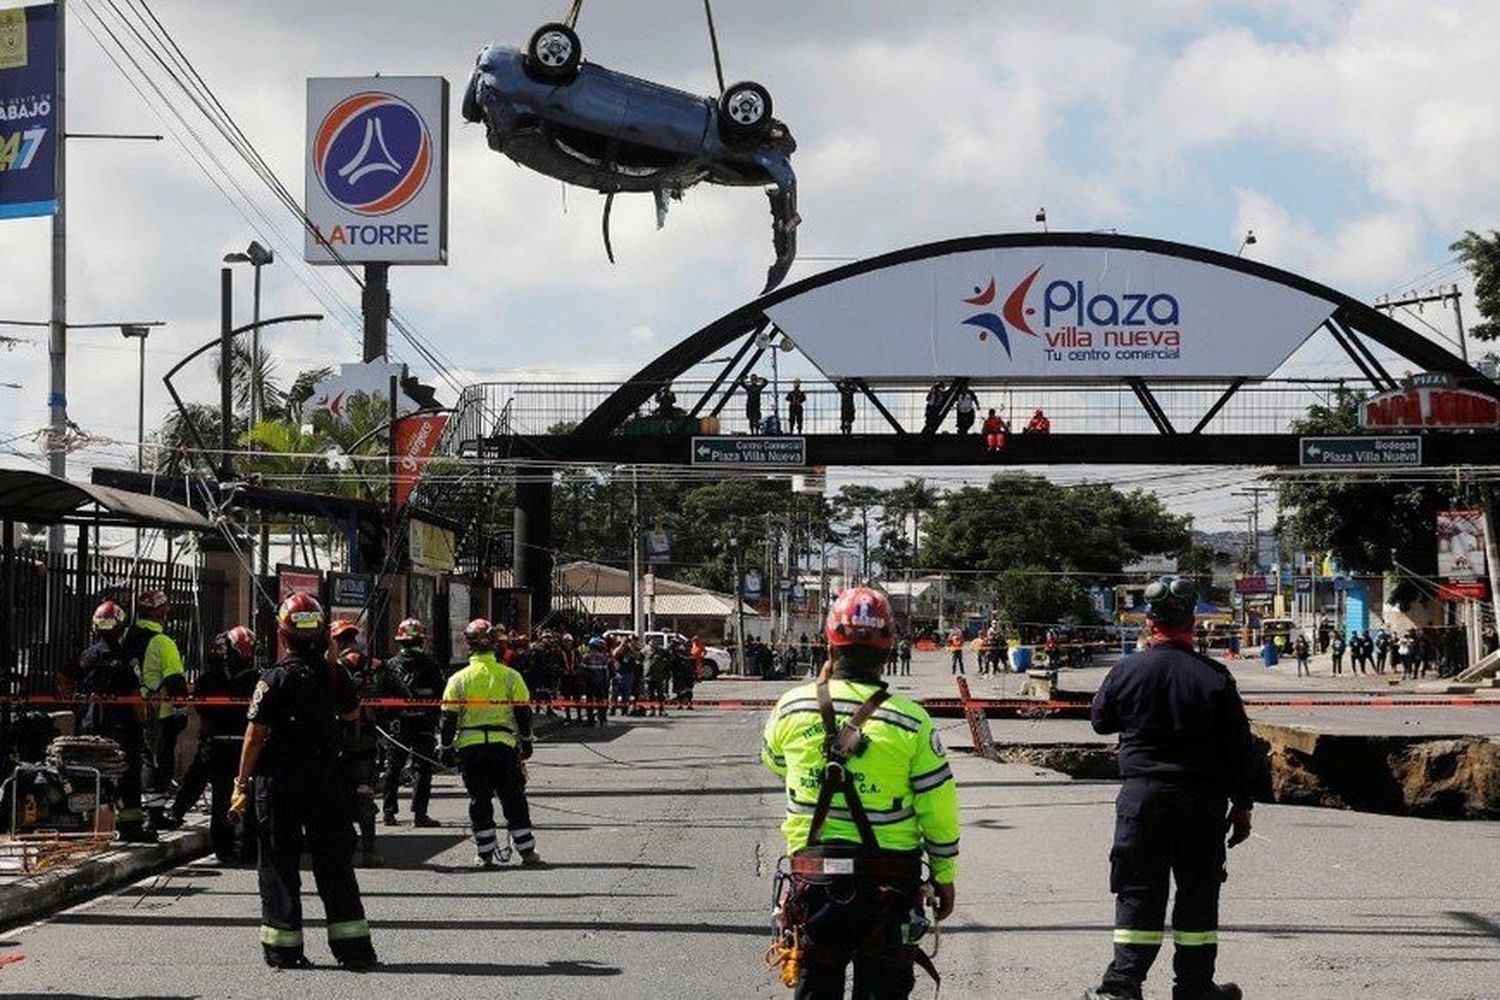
[
  {"x": 376, "y": 303},
  {"x": 1448, "y": 294},
  {"x": 739, "y": 604},
  {"x": 226, "y": 371},
  {"x": 636, "y": 601},
  {"x": 57, "y": 341}
]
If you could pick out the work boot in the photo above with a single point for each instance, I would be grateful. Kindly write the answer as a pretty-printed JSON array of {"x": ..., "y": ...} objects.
[
  {"x": 136, "y": 834},
  {"x": 390, "y": 819},
  {"x": 426, "y": 821},
  {"x": 531, "y": 859},
  {"x": 485, "y": 859},
  {"x": 1225, "y": 991},
  {"x": 285, "y": 958},
  {"x": 356, "y": 955}
]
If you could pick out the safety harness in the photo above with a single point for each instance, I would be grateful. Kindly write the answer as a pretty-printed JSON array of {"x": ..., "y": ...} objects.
[{"x": 868, "y": 865}]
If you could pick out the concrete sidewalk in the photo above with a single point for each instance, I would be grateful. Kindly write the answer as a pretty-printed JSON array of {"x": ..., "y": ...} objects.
[{"x": 24, "y": 898}]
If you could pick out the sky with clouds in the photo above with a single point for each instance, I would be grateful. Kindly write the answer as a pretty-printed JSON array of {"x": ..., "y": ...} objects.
[{"x": 1357, "y": 139}]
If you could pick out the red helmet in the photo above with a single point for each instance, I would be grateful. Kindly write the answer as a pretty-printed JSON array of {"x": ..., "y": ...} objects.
[
  {"x": 301, "y": 619},
  {"x": 152, "y": 602},
  {"x": 343, "y": 627},
  {"x": 109, "y": 617},
  {"x": 480, "y": 634},
  {"x": 860, "y": 616},
  {"x": 242, "y": 641},
  {"x": 411, "y": 630}
]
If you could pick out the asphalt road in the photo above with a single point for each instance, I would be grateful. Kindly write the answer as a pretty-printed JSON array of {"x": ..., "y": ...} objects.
[{"x": 662, "y": 836}]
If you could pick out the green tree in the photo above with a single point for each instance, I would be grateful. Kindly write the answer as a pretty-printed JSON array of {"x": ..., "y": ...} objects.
[
  {"x": 901, "y": 524},
  {"x": 1031, "y": 595},
  {"x": 853, "y": 504},
  {"x": 1091, "y": 529},
  {"x": 1481, "y": 255}
]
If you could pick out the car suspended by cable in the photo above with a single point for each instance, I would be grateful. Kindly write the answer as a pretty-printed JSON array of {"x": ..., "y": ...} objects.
[{"x": 581, "y": 123}]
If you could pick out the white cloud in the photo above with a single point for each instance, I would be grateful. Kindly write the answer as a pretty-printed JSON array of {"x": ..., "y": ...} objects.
[{"x": 1376, "y": 250}]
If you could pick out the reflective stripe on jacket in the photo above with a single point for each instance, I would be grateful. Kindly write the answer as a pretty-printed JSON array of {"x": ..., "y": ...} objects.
[
  {"x": 904, "y": 781},
  {"x": 485, "y": 679}
]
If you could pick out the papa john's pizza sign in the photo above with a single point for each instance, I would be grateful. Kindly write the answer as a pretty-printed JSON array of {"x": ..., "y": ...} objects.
[{"x": 1430, "y": 404}]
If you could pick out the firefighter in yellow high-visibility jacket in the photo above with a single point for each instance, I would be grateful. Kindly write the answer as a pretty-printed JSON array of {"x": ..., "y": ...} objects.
[{"x": 869, "y": 796}]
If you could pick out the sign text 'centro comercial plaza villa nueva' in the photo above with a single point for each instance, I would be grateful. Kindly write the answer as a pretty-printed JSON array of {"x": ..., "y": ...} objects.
[{"x": 1051, "y": 312}]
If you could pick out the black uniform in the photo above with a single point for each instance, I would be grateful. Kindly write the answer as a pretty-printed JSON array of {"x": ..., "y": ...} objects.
[
  {"x": 301, "y": 792},
  {"x": 1185, "y": 753},
  {"x": 221, "y": 737},
  {"x": 417, "y": 728},
  {"x": 103, "y": 671}
]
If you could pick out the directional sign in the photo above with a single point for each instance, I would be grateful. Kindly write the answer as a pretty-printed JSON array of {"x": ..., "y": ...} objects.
[
  {"x": 748, "y": 451},
  {"x": 1361, "y": 452}
]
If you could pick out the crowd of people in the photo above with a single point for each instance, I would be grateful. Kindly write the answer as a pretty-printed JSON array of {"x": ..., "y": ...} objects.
[{"x": 1413, "y": 654}]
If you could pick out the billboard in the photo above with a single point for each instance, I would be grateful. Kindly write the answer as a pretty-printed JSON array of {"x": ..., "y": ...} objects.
[
  {"x": 1050, "y": 312},
  {"x": 28, "y": 114},
  {"x": 1460, "y": 535},
  {"x": 377, "y": 170}
]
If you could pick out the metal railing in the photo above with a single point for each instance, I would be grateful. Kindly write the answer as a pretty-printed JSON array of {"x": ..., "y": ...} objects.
[
  {"x": 52, "y": 603},
  {"x": 1267, "y": 407}
]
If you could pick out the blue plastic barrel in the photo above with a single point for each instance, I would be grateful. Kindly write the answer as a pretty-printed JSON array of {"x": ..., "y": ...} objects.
[
  {"x": 1269, "y": 655},
  {"x": 1020, "y": 659}
]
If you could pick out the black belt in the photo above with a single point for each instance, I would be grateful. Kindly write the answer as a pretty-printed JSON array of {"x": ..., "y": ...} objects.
[{"x": 900, "y": 869}]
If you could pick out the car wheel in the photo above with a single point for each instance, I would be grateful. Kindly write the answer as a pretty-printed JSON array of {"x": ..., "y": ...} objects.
[
  {"x": 710, "y": 670},
  {"x": 745, "y": 110},
  {"x": 554, "y": 53}
]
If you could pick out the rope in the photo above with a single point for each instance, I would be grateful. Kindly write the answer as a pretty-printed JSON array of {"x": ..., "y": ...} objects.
[{"x": 574, "y": 9}]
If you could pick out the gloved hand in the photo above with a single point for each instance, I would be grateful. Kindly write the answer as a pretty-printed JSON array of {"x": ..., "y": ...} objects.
[
  {"x": 1239, "y": 825},
  {"x": 446, "y": 756},
  {"x": 526, "y": 749},
  {"x": 239, "y": 802},
  {"x": 946, "y": 896}
]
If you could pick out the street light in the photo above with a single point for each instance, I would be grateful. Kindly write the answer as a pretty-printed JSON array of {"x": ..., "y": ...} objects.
[
  {"x": 136, "y": 331},
  {"x": 257, "y": 257},
  {"x": 1248, "y": 241}
]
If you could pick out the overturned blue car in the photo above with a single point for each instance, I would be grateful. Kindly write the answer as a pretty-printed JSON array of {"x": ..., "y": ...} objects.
[{"x": 550, "y": 111}]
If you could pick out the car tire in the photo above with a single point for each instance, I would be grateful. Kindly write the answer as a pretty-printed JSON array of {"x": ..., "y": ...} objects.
[
  {"x": 554, "y": 53},
  {"x": 710, "y": 670},
  {"x": 744, "y": 111}
]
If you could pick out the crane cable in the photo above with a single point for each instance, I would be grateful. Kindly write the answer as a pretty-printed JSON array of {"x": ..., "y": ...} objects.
[{"x": 713, "y": 41}]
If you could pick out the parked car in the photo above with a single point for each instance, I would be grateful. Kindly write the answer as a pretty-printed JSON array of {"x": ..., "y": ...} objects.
[{"x": 716, "y": 659}]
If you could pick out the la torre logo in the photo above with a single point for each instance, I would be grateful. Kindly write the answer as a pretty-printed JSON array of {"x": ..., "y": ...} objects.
[{"x": 1072, "y": 322}]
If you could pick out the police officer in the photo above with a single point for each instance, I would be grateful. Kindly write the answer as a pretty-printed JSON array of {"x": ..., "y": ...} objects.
[
  {"x": 228, "y": 673},
  {"x": 302, "y": 796},
  {"x": 103, "y": 671},
  {"x": 489, "y": 742},
  {"x": 869, "y": 791},
  {"x": 1188, "y": 762},
  {"x": 416, "y": 728},
  {"x": 361, "y": 744},
  {"x": 157, "y": 661}
]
